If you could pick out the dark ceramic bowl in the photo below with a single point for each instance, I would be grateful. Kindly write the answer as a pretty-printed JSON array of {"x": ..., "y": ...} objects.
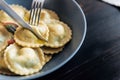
[{"x": 69, "y": 12}]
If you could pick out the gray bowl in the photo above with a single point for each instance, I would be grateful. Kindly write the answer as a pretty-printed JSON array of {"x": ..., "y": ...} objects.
[{"x": 69, "y": 12}]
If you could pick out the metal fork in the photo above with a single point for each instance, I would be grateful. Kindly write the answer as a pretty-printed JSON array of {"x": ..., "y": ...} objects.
[
  {"x": 35, "y": 12},
  {"x": 17, "y": 18}
]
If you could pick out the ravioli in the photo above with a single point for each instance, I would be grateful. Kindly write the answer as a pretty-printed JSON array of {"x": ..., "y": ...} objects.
[
  {"x": 20, "y": 10},
  {"x": 4, "y": 17},
  {"x": 42, "y": 30},
  {"x": 49, "y": 50},
  {"x": 46, "y": 16},
  {"x": 59, "y": 35},
  {"x": 26, "y": 38},
  {"x": 24, "y": 60},
  {"x": 2, "y": 63},
  {"x": 4, "y": 37},
  {"x": 47, "y": 58},
  {"x": 3, "y": 66}
]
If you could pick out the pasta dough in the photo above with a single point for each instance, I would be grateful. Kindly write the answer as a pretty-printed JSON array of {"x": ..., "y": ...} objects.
[
  {"x": 4, "y": 17},
  {"x": 23, "y": 60},
  {"x": 59, "y": 35},
  {"x": 46, "y": 16},
  {"x": 4, "y": 37}
]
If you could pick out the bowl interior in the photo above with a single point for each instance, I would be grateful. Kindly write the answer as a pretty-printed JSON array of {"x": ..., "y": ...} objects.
[{"x": 69, "y": 12}]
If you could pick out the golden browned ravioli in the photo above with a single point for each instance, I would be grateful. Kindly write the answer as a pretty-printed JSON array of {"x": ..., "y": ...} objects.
[
  {"x": 4, "y": 17},
  {"x": 49, "y": 50},
  {"x": 20, "y": 10},
  {"x": 46, "y": 16},
  {"x": 24, "y": 60},
  {"x": 5, "y": 36},
  {"x": 25, "y": 37},
  {"x": 3, "y": 67},
  {"x": 2, "y": 63},
  {"x": 60, "y": 34},
  {"x": 47, "y": 58},
  {"x": 42, "y": 30}
]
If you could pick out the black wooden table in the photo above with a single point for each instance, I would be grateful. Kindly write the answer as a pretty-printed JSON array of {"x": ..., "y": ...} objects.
[{"x": 99, "y": 56}]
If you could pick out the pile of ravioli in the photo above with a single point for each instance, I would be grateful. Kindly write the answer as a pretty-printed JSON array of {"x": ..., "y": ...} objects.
[{"x": 22, "y": 53}]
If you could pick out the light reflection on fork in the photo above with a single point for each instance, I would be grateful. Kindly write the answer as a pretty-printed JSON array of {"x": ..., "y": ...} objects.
[{"x": 35, "y": 12}]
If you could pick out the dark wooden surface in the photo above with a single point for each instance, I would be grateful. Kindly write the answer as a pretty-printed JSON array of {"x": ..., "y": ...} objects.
[{"x": 99, "y": 56}]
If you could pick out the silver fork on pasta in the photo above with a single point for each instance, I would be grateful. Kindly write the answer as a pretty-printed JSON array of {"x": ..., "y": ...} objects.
[
  {"x": 18, "y": 19},
  {"x": 35, "y": 12}
]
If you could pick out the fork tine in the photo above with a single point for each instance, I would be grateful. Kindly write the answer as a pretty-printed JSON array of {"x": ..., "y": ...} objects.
[
  {"x": 40, "y": 7},
  {"x": 32, "y": 12},
  {"x": 35, "y": 12}
]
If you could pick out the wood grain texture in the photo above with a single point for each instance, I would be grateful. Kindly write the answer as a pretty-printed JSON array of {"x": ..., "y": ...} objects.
[{"x": 99, "y": 56}]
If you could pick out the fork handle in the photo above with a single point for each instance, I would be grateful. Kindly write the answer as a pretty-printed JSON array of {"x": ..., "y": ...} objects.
[{"x": 13, "y": 14}]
